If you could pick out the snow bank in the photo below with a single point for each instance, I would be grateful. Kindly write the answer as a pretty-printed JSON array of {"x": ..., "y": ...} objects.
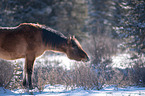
[
  {"x": 60, "y": 90},
  {"x": 5, "y": 92}
]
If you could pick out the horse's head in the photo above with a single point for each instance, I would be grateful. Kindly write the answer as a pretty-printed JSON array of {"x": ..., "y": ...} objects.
[{"x": 74, "y": 50}]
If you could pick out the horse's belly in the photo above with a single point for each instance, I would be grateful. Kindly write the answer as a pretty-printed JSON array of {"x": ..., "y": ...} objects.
[
  {"x": 4, "y": 55},
  {"x": 11, "y": 55}
]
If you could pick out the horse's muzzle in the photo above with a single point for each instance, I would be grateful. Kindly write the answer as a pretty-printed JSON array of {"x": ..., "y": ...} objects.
[{"x": 86, "y": 59}]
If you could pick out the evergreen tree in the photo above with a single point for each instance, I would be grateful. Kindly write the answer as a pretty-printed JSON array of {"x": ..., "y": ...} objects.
[
  {"x": 101, "y": 24},
  {"x": 67, "y": 16},
  {"x": 101, "y": 13},
  {"x": 71, "y": 15},
  {"x": 132, "y": 25}
]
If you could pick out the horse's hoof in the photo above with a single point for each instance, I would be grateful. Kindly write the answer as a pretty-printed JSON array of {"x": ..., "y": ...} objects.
[
  {"x": 24, "y": 84},
  {"x": 30, "y": 87}
]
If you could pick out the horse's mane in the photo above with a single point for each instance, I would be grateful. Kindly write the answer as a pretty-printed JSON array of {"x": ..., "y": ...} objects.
[
  {"x": 52, "y": 31},
  {"x": 51, "y": 36},
  {"x": 43, "y": 27}
]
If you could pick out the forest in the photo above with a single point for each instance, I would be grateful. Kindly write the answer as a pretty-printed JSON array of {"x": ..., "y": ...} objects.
[{"x": 105, "y": 29}]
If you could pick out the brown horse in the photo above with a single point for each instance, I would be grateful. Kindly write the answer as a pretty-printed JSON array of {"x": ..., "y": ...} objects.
[{"x": 31, "y": 40}]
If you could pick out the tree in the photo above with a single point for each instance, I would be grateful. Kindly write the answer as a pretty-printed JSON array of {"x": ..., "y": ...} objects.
[
  {"x": 71, "y": 15},
  {"x": 100, "y": 24},
  {"x": 14, "y": 12},
  {"x": 67, "y": 16},
  {"x": 101, "y": 45},
  {"x": 132, "y": 25},
  {"x": 101, "y": 17}
]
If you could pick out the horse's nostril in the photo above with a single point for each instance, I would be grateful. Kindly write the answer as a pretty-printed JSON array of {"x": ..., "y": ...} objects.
[{"x": 86, "y": 59}]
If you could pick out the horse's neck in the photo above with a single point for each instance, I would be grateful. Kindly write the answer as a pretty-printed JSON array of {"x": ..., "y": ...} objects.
[
  {"x": 60, "y": 45},
  {"x": 54, "y": 41}
]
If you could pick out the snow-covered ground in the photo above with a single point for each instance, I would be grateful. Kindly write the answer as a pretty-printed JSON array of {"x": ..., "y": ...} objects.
[{"x": 60, "y": 90}]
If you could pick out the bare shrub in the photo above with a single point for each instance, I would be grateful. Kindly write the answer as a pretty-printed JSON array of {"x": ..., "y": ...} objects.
[
  {"x": 16, "y": 80},
  {"x": 6, "y": 73},
  {"x": 120, "y": 77},
  {"x": 56, "y": 76},
  {"x": 100, "y": 49},
  {"x": 48, "y": 75},
  {"x": 79, "y": 76},
  {"x": 138, "y": 76},
  {"x": 40, "y": 77},
  {"x": 86, "y": 77},
  {"x": 133, "y": 75},
  {"x": 138, "y": 70}
]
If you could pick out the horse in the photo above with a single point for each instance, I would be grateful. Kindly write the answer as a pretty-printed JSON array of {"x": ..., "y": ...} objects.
[{"x": 30, "y": 40}]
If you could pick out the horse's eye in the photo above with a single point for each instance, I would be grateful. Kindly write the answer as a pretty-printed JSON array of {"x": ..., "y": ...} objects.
[{"x": 74, "y": 45}]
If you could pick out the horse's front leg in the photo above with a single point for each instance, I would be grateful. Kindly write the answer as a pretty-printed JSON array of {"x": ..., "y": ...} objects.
[
  {"x": 29, "y": 62},
  {"x": 24, "y": 76}
]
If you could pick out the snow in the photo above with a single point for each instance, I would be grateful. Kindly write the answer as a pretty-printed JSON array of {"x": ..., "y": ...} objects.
[
  {"x": 65, "y": 62},
  {"x": 60, "y": 90},
  {"x": 122, "y": 61}
]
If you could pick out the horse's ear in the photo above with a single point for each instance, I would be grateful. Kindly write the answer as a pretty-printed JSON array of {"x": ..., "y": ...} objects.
[
  {"x": 73, "y": 37},
  {"x": 69, "y": 39}
]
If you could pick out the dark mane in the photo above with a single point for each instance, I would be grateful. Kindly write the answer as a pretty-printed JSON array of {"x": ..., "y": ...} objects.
[
  {"x": 53, "y": 37},
  {"x": 53, "y": 31}
]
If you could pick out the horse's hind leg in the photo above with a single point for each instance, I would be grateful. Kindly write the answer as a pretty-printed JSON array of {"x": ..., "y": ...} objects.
[{"x": 29, "y": 61}]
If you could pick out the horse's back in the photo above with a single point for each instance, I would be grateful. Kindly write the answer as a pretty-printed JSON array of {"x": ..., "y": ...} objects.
[
  {"x": 12, "y": 44},
  {"x": 15, "y": 42}
]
